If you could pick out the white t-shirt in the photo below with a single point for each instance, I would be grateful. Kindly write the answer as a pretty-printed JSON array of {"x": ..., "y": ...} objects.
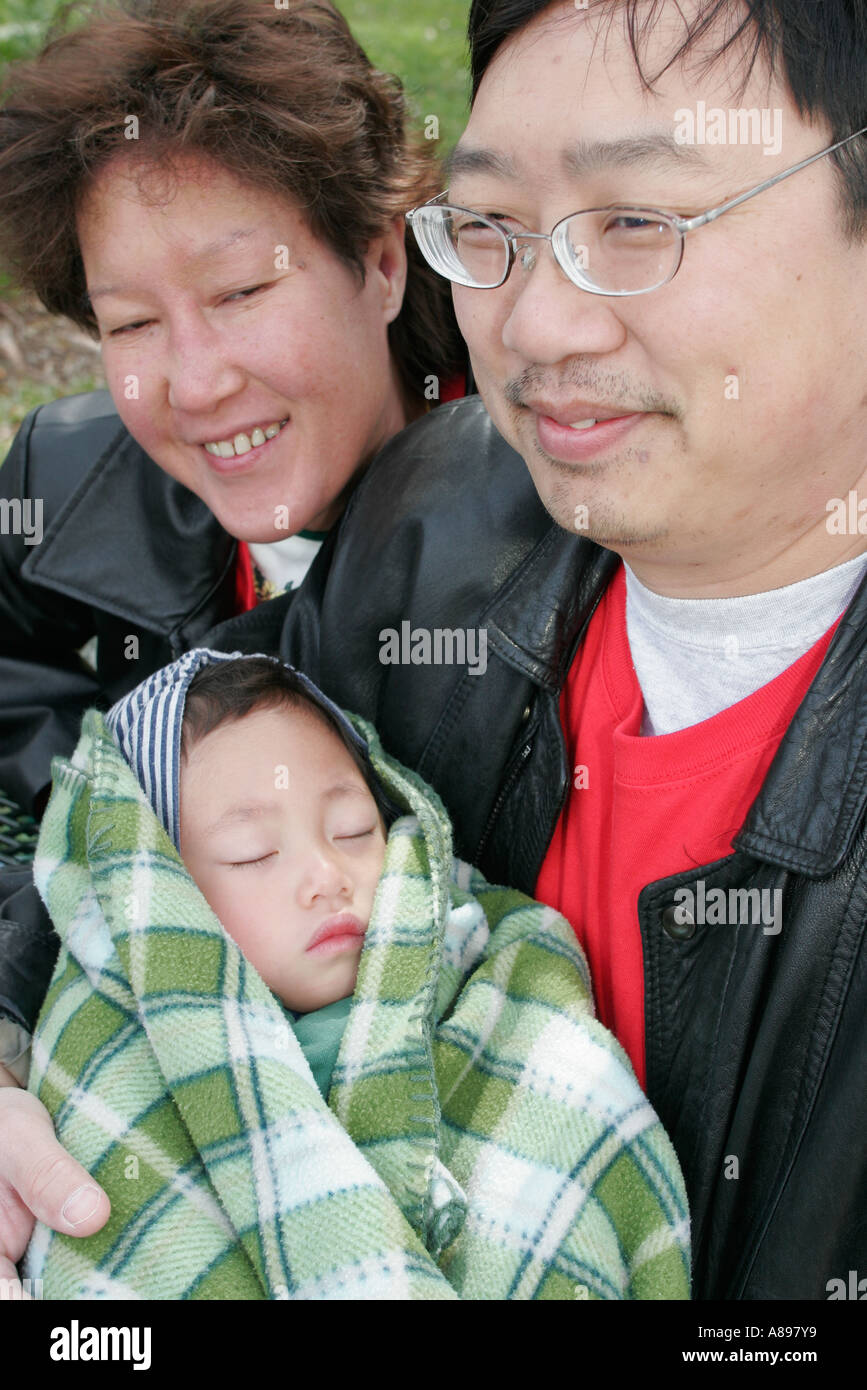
[
  {"x": 696, "y": 657},
  {"x": 283, "y": 564}
]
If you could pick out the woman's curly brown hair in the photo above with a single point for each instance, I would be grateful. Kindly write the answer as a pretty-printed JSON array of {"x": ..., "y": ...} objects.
[{"x": 282, "y": 97}]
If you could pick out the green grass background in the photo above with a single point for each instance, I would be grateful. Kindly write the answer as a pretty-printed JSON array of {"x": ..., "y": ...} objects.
[{"x": 423, "y": 41}]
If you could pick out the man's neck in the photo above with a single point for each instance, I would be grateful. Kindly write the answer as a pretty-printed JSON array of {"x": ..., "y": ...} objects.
[{"x": 739, "y": 575}]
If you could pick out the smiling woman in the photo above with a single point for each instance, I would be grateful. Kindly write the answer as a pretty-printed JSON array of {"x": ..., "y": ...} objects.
[
  {"x": 216, "y": 190},
  {"x": 195, "y": 288}
]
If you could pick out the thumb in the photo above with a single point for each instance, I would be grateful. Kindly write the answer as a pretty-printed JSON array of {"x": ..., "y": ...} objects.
[{"x": 48, "y": 1182}]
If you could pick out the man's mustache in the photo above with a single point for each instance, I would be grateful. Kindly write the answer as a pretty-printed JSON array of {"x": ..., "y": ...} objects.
[{"x": 615, "y": 391}]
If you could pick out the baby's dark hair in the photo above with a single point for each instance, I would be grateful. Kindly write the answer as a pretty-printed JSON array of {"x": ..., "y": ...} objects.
[{"x": 227, "y": 690}]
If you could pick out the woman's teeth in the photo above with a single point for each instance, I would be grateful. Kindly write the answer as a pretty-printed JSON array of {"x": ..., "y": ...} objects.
[{"x": 243, "y": 443}]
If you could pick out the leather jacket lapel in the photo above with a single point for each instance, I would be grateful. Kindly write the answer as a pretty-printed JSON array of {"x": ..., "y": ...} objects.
[
  {"x": 175, "y": 562},
  {"x": 813, "y": 799}
]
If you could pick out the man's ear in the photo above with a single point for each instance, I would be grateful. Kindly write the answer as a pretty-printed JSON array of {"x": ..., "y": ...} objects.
[{"x": 387, "y": 264}]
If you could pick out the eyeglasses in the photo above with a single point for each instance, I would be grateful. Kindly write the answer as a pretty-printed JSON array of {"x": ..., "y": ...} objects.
[{"x": 612, "y": 250}]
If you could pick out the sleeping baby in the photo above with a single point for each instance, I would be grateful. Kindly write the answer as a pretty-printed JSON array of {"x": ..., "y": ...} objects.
[{"x": 306, "y": 1051}]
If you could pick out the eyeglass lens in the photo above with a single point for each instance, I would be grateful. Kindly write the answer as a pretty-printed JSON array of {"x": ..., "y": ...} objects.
[{"x": 616, "y": 250}]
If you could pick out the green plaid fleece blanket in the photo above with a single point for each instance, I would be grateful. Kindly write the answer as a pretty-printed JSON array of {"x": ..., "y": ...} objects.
[{"x": 484, "y": 1136}]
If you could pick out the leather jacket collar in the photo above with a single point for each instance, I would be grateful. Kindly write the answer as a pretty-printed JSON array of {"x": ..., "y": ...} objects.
[{"x": 178, "y": 560}]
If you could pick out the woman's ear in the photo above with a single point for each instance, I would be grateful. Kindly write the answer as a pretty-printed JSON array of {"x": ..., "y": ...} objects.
[{"x": 387, "y": 264}]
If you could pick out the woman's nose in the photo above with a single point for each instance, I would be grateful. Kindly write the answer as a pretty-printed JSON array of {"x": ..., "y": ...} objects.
[{"x": 200, "y": 365}]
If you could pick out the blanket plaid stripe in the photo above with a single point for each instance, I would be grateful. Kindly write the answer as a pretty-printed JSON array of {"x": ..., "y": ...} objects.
[{"x": 484, "y": 1136}]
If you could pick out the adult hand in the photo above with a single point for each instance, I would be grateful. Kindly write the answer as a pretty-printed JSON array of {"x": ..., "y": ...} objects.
[{"x": 38, "y": 1180}]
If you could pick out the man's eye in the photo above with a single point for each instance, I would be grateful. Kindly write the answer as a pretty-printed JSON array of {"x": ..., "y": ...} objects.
[
  {"x": 502, "y": 219},
  {"x": 629, "y": 223},
  {"x": 635, "y": 231},
  {"x": 249, "y": 863}
]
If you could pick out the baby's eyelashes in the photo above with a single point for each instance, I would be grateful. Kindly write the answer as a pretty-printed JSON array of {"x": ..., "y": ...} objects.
[
  {"x": 343, "y": 837},
  {"x": 248, "y": 863}
]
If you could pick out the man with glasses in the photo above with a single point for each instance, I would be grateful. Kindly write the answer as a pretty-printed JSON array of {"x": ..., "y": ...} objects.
[
  {"x": 632, "y": 250},
  {"x": 654, "y": 519},
  {"x": 667, "y": 744}
]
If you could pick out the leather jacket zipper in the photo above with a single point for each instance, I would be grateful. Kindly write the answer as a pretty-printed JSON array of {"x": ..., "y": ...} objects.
[
  {"x": 527, "y": 748},
  {"x": 514, "y": 770}
]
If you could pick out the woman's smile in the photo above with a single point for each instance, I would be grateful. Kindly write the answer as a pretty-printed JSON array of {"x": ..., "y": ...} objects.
[
  {"x": 242, "y": 452},
  {"x": 236, "y": 444}
]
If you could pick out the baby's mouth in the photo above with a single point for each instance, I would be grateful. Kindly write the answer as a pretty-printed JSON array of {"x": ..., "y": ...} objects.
[
  {"x": 338, "y": 932},
  {"x": 241, "y": 444}
]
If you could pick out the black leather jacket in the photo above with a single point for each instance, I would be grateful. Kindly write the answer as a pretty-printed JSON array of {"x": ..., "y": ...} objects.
[{"x": 755, "y": 1043}]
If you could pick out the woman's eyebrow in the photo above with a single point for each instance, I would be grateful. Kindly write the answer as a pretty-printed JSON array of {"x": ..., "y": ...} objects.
[{"x": 214, "y": 248}]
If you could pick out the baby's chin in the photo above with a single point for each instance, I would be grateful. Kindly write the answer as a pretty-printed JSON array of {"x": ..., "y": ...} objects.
[
  {"x": 310, "y": 1000},
  {"x": 319, "y": 982},
  {"x": 305, "y": 1006}
]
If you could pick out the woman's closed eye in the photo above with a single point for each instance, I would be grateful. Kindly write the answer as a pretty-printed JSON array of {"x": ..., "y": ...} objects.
[
  {"x": 243, "y": 294},
  {"x": 233, "y": 297},
  {"x": 128, "y": 328}
]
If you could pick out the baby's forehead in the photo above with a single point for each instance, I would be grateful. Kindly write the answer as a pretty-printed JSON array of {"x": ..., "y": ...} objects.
[
  {"x": 306, "y": 713},
  {"x": 329, "y": 766},
  {"x": 253, "y": 787}
]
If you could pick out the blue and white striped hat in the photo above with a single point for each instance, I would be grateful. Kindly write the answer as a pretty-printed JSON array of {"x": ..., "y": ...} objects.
[{"x": 147, "y": 725}]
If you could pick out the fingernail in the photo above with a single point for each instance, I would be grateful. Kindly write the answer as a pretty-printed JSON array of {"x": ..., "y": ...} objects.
[{"x": 82, "y": 1204}]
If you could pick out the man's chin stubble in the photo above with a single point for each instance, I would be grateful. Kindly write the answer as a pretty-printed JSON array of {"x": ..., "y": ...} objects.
[{"x": 602, "y": 524}]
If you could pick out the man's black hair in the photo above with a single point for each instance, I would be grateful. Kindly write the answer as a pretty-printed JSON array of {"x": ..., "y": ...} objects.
[
  {"x": 226, "y": 690},
  {"x": 820, "y": 46}
]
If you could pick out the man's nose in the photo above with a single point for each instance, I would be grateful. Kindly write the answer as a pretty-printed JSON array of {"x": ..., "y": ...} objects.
[
  {"x": 549, "y": 318},
  {"x": 200, "y": 364}
]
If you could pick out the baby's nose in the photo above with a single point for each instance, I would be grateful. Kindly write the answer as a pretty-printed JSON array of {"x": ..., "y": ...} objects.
[{"x": 323, "y": 877}]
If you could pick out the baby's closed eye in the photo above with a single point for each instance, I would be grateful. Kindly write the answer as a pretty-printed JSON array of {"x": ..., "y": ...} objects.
[{"x": 248, "y": 863}]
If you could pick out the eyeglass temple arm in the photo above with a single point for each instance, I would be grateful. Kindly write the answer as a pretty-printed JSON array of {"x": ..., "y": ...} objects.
[{"x": 689, "y": 224}]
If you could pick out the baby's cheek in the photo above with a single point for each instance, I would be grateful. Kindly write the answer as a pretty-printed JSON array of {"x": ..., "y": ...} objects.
[{"x": 236, "y": 910}]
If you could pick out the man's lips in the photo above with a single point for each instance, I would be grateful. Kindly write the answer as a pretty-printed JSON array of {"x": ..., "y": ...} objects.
[
  {"x": 341, "y": 932},
  {"x": 558, "y": 436},
  {"x": 575, "y": 411}
]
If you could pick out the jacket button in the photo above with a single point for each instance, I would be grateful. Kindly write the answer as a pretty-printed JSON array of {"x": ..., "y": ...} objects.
[
  {"x": 526, "y": 715},
  {"x": 678, "y": 923}
]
